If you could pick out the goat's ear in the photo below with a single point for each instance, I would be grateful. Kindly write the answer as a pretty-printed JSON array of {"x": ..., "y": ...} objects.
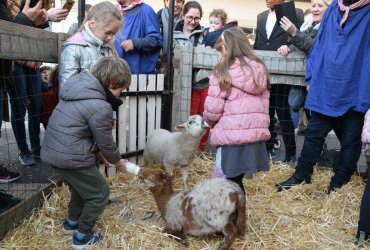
[{"x": 181, "y": 127}]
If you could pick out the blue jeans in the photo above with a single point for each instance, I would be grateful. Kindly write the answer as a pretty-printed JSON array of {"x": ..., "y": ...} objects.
[
  {"x": 25, "y": 95},
  {"x": 348, "y": 129}
]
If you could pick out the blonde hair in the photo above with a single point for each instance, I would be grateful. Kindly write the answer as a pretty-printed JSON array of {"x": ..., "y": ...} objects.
[
  {"x": 112, "y": 72},
  {"x": 235, "y": 44},
  {"x": 101, "y": 12},
  {"x": 219, "y": 13}
]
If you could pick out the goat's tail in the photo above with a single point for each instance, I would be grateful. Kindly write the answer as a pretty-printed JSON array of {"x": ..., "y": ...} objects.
[{"x": 241, "y": 214}]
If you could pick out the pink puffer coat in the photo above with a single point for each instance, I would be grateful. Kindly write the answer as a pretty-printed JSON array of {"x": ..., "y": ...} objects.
[
  {"x": 366, "y": 129},
  {"x": 241, "y": 115}
]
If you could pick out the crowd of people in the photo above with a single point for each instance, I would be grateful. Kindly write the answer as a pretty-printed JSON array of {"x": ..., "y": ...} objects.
[{"x": 236, "y": 98}]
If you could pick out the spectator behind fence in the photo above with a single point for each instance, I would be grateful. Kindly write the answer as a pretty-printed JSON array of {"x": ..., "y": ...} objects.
[
  {"x": 302, "y": 40},
  {"x": 74, "y": 27},
  {"x": 217, "y": 24},
  {"x": 239, "y": 92},
  {"x": 270, "y": 36},
  {"x": 49, "y": 88},
  {"x": 363, "y": 232},
  {"x": 337, "y": 72},
  {"x": 82, "y": 118},
  {"x": 25, "y": 92},
  {"x": 6, "y": 70},
  {"x": 188, "y": 32},
  {"x": 92, "y": 42},
  {"x": 163, "y": 19},
  {"x": 140, "y": 40}
]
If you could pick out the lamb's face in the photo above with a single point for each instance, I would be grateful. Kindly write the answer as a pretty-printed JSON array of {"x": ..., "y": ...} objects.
[
  {"x": 196, "y": 125},
  {"x": 154, "y": 179}
]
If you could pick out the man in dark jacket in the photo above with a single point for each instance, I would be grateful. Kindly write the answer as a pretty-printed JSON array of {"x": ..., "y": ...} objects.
[{"x": 270, "y": 36}]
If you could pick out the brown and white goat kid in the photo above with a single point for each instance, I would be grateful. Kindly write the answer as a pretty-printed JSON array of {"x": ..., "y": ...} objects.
[
  {"x": 216, "y": 205},
  {"x": 177, "y": 148}
]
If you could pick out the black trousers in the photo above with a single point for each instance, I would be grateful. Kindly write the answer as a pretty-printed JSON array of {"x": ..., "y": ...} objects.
[
  {"x": 279, "y": 104},
  {"x": 238, "y": 180}
]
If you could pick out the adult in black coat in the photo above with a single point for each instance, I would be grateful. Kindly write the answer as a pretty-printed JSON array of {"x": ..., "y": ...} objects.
[{"x": 270, "y": 36}]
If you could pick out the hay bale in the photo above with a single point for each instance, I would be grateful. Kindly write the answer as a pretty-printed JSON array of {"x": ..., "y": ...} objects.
[{"x": 304, "y": 217}]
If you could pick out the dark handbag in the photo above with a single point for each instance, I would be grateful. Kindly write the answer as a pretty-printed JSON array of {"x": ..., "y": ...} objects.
[{"x": 297, "y": 97}]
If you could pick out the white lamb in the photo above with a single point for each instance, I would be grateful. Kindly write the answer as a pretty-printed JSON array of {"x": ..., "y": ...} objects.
[
  {"x": 215, "y": 206},
  {"x": 177, "y": 148}
]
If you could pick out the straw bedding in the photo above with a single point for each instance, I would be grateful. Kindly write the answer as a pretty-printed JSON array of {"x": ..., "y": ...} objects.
[{"x": 304, "y": 217}]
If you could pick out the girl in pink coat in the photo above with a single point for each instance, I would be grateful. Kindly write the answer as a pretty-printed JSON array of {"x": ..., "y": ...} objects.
[
  {"x": 363, "y": 232},
  {"x": 237, "y": 107}
]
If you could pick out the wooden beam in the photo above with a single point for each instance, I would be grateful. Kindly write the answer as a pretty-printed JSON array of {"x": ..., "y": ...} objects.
[{"x": 27, "y": 43}]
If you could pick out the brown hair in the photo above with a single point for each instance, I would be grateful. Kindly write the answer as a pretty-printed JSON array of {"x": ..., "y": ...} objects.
[
  {"x": 112, "y": 71},
  {"x": 194, "y": 5},
  {"x": 219, "y": 13},
  {"x": 237, "y": 46}
]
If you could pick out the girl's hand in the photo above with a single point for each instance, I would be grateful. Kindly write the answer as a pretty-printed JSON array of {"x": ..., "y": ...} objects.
[
  {"x": 283, "y": 50},
  {"x": 57, "y": 14},
  {"x": 127, "y": 45},
  {"x": 288, "y": 26}
]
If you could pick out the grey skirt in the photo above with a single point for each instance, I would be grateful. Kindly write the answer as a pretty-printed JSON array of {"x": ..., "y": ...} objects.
[{"x": 244, "y": 159}]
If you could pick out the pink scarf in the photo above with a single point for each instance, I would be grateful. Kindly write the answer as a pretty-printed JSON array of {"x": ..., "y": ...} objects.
[{"x": 346, "y": 9}]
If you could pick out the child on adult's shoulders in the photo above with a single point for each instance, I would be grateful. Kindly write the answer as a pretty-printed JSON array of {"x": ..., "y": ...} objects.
[{"x": 217, "y": 24}]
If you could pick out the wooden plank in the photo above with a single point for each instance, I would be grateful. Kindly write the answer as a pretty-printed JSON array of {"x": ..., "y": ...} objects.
[
  {"x": 158, "y": 112},
  {"x": 132, "y": 131},
  {"x": 151, "y": 107},
  {"x": 182, "y": 85},
  {"x": 122, "y": 125},
  {"x": 23, "y": 42},
  {"x": 142, "y": 113}
]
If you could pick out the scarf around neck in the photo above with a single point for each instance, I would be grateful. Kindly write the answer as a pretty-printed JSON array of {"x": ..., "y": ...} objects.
[{"x": 353, "y": 6}]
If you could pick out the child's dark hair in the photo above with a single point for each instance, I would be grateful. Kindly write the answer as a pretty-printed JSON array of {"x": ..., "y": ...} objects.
[
  {"x": 219, "y": 13},
  {"x": 194, "y": 5},
  {"x": 112, "y": 72},
  {"x": 236, "y": 45}
]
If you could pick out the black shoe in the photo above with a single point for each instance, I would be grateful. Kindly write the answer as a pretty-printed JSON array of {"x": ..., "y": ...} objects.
[
  {"x": 333, "y": 188},
  {"x": 7, "y": 201},
  {"x": 291, "y": 182},
  {"x": 362, "y": 237}
]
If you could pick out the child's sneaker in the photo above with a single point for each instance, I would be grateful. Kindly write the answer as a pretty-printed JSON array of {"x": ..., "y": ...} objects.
[
  {"x": 26, "y": 159},
  {"x": 88, "y": 240},
  {"x": 69, "y": 228}
]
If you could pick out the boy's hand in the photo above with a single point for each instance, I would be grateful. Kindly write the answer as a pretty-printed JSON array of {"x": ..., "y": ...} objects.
[{"x": 121, "y": 165}]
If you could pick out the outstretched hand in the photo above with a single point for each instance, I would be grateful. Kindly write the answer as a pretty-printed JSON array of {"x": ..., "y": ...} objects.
[
  {"x": 35, "y": 14},
  {"x": 288, "y": 26},
  {"x": 121, "y": 165}
]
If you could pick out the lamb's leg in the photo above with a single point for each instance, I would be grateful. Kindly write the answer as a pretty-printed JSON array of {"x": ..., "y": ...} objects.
[
  {"x": 184, "y": 175},
  {"x": 230, "y": 231}
]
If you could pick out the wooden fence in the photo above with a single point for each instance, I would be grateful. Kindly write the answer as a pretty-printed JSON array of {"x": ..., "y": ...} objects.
[{"x": 288, "y": 70}]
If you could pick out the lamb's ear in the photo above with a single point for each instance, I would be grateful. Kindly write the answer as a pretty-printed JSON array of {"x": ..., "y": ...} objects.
[
  {"x": 149, "y": 183},
  {"x": 181, "y": 127}
]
